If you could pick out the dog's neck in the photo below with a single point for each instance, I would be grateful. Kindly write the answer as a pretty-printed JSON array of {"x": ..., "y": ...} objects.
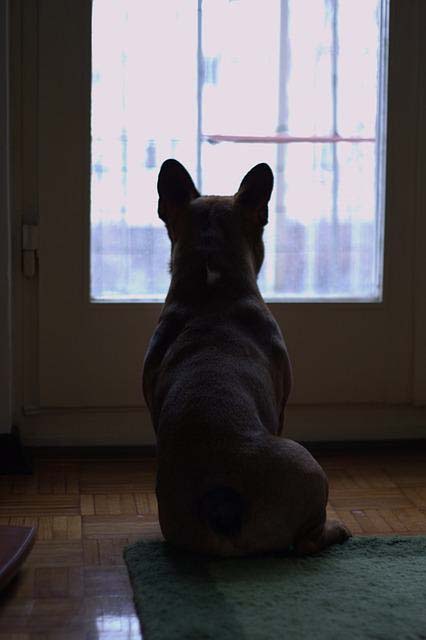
[{"x": 206, "y": 279}]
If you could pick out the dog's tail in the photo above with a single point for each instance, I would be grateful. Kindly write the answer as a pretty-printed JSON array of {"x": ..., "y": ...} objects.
[{"x": 222, "y": 508}]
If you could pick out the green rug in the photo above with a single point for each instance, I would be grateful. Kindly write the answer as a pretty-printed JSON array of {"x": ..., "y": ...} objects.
[{"x": 368, "y": 588}]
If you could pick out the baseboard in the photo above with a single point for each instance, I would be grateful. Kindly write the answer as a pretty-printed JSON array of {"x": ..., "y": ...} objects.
[
  {"x": 307, "y": 423},
  {"x": 366, "y": 446},
  {"x": 128, "y": 453},
  {"x": 88, "y": 428},
  {"x": 355, "y": 423},
  {"x": 319, "y": 448},
  {"x": 13, "y": 457}
]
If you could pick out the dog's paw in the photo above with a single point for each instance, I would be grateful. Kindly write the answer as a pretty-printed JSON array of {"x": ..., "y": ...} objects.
[
  {"x": 331, "y": 532},
  {"x": 337, "y": 531}
]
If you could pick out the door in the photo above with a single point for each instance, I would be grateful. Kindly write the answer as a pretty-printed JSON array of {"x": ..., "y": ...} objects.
[{"x": 350, "y": 346}]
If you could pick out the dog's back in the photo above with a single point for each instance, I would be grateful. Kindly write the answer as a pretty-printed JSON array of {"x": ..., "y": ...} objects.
[
  {"x": 217, "y": 397},
  {"x": 217, "y": 378}
]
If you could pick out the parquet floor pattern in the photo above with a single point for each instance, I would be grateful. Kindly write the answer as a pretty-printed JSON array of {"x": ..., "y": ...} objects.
[{"x": 74, "y": 585}]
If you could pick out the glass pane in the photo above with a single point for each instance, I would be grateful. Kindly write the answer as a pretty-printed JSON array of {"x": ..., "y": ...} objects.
[{"x": 221, "y": 85}]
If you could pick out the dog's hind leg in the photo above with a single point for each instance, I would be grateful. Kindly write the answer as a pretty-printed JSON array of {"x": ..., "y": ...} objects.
[{"x": 321, "y": 537}]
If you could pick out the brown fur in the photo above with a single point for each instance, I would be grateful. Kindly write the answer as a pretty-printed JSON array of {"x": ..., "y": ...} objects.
[{"x": 216, "y": 379}]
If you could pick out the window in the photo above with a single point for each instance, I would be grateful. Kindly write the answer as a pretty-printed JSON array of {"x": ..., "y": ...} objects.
[{"x": 221, "y": 85}]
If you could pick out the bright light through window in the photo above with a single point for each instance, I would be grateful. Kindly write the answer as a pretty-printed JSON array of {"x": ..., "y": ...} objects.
[{"x": 221, "y": 85}]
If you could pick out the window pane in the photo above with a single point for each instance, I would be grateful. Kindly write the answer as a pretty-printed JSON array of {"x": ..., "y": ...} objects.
[{"x": 222, "y": 85}]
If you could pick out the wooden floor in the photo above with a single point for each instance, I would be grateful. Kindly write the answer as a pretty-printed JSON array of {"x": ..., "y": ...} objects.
[{"x": 74, "y": 584}]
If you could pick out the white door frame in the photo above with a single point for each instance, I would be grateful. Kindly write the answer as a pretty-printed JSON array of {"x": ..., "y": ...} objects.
[
  {"x": 6, "y": 369},
  {"x": 419, "y": 365},
  {"x": 406, "y": 419}
]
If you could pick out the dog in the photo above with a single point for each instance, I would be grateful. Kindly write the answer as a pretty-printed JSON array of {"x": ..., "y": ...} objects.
[{"x": 216, "y": 380}]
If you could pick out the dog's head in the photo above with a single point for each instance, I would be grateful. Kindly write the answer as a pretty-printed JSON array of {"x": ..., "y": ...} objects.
[{"x": 222, "y": 234}]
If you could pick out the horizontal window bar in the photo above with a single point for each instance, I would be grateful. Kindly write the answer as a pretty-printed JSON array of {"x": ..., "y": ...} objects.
[{"x": 283, "y": 139}]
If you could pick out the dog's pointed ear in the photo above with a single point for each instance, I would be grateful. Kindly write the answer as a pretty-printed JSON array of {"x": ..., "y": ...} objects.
[
  {"x": 175, "y": 189},
  {"x": 255, "y": 191}
]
